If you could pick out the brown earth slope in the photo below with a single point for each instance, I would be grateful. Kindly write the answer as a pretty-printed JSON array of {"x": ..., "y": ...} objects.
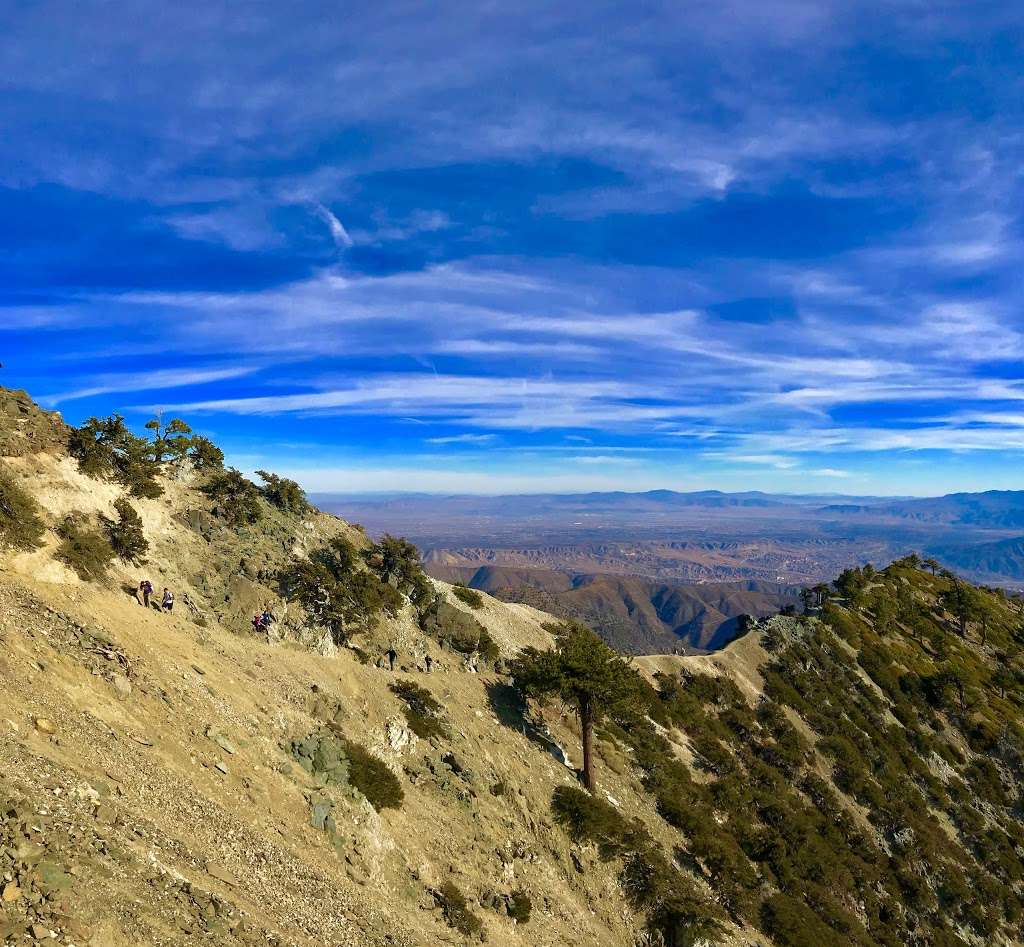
[
  {"x": 632, "y": 614},
  {"x": 150, "y": 794}
]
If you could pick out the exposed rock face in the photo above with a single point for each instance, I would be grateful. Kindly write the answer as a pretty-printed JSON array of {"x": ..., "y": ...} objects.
[{"x": 25, "y": 428}]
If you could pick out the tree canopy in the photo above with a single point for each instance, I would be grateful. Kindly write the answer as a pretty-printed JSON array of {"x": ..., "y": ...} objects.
[{"x": 582, "y": 671}]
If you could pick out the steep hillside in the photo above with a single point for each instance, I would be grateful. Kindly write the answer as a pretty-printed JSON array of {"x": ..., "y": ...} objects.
[
  {"x": 363, "y": 770},
  {"x": 1000, "y": 562},
  {"x": 633, "y": 615}
]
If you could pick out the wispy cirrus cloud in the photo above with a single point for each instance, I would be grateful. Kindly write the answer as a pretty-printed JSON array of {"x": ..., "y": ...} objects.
[
  {"x": 156, "y": 380},
  {"x": 513, "y": 230}
]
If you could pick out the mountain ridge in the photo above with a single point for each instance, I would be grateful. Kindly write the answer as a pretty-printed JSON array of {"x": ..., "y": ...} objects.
[{"x": 849, "y": 776}]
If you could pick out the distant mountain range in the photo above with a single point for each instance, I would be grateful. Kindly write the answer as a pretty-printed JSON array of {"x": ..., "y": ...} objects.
[
  {"x": 706, "y": 536},
  {"x": 999, "y": 509},
  {"x": 633, "y": 615}
]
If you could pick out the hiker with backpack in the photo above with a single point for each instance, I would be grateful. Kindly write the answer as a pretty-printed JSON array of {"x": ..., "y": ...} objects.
[
  {"x": 168, "y": 601},
  {"x": 146, "y": 588}
]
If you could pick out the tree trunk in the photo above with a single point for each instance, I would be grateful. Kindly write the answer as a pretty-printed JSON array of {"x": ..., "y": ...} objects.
[{"x": 587, "y": 727}]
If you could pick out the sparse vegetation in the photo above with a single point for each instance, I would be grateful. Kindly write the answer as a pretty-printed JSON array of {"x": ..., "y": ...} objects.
[
  {"x": 457, "y": 913},
  {"x": 422, "y": 711},
  {"x": 21, "y": 525},
  {"x": 468, "y": 596},
  {"x": 85, "y": 549},
  {"x": 125, "y": 534},
  {"x": 372, "y": 778}
]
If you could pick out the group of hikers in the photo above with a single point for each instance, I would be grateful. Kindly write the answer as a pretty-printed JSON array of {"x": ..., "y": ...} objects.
[
  {"x": 146, "y": 591},
  {"x": 262, "y": 623}
]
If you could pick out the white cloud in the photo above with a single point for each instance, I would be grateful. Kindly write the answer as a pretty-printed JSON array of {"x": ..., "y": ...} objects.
[
  {"x": 462, "y": 439},
  {"x": 150, "y": 381},
  {"x": 339, "y": 234}
]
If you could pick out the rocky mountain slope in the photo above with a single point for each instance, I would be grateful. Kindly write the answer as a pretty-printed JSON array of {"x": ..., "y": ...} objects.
[
  {"x": 847, "y": 777},
  {"x": 633, "y": 615}
]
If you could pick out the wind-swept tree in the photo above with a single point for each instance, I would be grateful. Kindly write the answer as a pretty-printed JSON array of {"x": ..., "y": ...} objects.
[
  {"x": 171, "y": 441},
  {"x": 585, "y": 673},
  {"x": 205, "y": 455},
  {"x": 283, "y": 493},
  {"x": 105, "y": 447},
  {"x": 335, "y": 592}
]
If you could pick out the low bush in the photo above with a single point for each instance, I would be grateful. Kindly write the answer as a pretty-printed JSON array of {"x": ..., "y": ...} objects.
[
  {"x": 519, "y": 906},
  {"x": 421, "y": 709},
  {"x": 468, "y": 596},
  {"x": 588, "y": 819},
  {"x": 677, "y": 913},
  {"x": 21, "y": 526},
  {"x": 125, "y": 533},
  {"x": 86, "y": 550},
  {"x": 790, "y": 923},
  {"x": 456, "y": 910},
  {"x": 372, "y": 778}
]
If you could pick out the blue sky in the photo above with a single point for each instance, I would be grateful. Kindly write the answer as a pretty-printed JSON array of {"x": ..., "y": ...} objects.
[{"x": 527, "y": 247}]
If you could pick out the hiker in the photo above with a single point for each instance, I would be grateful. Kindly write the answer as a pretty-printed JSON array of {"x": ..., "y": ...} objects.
[
  {"x": 266, "y": 619},
  {"x": 146, "y": 588},
  {"x": 168, "y": 601},
  {"x": 257, "y": 623},
  {"x": 427, "y": 662},
  {"x": 392, "y": 656}
]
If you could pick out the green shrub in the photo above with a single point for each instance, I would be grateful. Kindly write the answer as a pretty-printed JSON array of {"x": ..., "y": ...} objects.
[
  {"x": 458, "y": 630},
  {"x": 336, "y": 592},
  {"x": 677, "y": 913},
  {"x": 235, "y": 499},
  {"x": 588, "y": 819},
  {"x": 372, "y": 778},
  {"x": 421, "y": 709},
  {"x": 456, "y": 910},
  {"x": 283, "y": 493},
  {"x": 125, "y": 534},
  {"x": 171, "y": 441},
  {"x": 519, "y": 906},
  {"x": 396, "y": 561},
  {"x": 467, "y": 596},
  {"x": 87, "y": 551},
  {"x": 790, "y": 923},
  {"x": 21, "y": 525}
]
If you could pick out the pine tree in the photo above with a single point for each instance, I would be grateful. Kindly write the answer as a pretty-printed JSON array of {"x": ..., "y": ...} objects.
[
  {"x": 126, "y": 536},
  {"x": 585, "y": 673}
]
